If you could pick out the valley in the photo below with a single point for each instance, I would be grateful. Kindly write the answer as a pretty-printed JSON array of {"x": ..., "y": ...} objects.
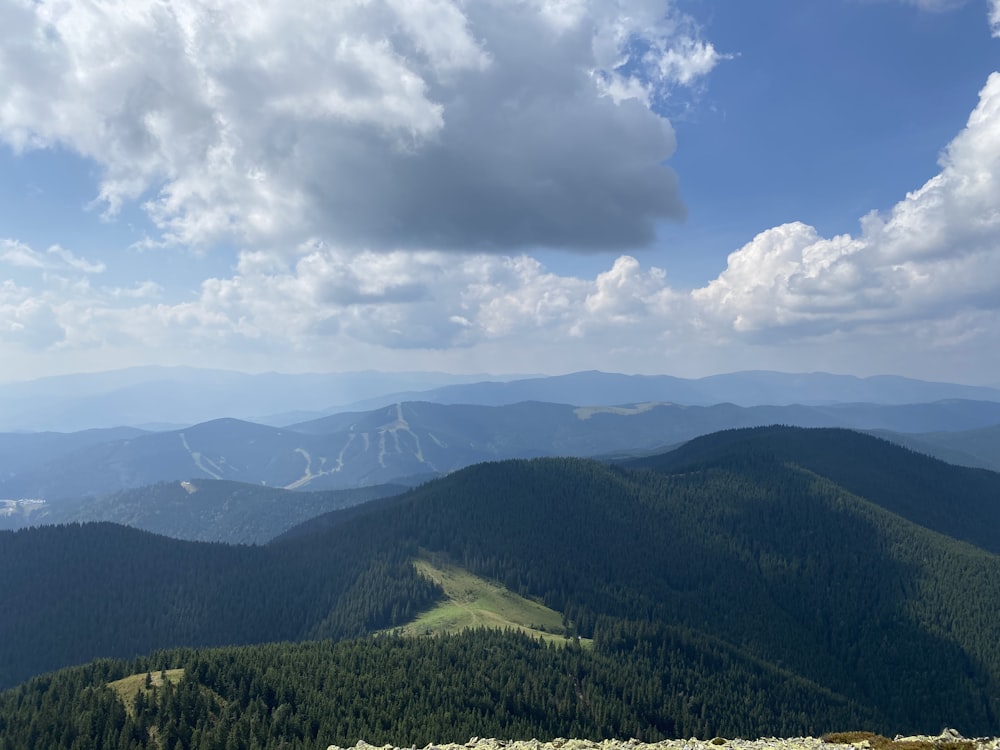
[
  {"x": 764, "y": 567},
  {"x": 536, "y": 569}
]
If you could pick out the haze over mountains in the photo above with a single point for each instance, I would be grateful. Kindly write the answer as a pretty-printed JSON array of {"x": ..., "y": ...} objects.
[
  {"x": 163, "y": 397},
  {"x": 408, "y": 443},
  {"x": 53, "y": 477}
]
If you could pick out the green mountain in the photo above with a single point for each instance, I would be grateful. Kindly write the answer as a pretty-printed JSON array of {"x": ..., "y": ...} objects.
[
  {"x": 956, "y": 501},
  {"x": 77, "y": 592},
  {"x": 735, "y": 586},
  {"x": 211, "y": 510}
]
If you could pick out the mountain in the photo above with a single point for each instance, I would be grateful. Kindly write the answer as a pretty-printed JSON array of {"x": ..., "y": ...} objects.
[
  {"x": 175, "y": 397},
  {"x": 408, "y": 443},
  {"x": 751, "y": 388},
  {"x": 955, "y": 501},
  {"x": 182, "y": 396},
  {"x": 737, "y": 584},
  {"x": 21, "y": 451},
  {"x": 979, "y": 448},
  {"x": 210, "y": 510}
]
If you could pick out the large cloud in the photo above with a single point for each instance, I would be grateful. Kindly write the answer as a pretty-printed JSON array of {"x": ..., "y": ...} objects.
[
  {"x": 934, "y": 256},
  {"x": 385, "y": 124},
  {"x": 917, "y": 288}
]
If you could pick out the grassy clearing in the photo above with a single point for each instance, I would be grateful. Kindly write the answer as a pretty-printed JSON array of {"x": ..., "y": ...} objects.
[
  {"x": 128, "y": 687},
  {"x": 475, "y": 602},
  {"x": 586, "y": 412}
]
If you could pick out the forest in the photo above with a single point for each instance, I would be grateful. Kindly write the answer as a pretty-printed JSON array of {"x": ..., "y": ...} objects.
[{"x": 747, "y": 588}]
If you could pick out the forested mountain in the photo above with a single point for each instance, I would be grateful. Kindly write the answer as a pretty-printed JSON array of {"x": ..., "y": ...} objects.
[
  {"x": 408, "y": 443},
  {"x": 956, "y": 501},
  {"x": 73, "y": 593},
  {"x": 736, "y": 590},
  {"x": 210, "y": 510},
  {"x": 419, "y": 693}
]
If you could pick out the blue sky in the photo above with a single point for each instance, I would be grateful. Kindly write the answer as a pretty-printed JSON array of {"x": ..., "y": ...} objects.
[{"x": 684, "y": 188}]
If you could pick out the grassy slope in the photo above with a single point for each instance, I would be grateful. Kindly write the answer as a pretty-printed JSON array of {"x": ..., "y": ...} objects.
[
  {"x": 475, "y": 602},
  {"x": 128, "y": 687}
]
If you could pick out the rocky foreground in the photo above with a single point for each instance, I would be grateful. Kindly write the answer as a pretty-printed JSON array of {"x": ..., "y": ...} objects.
[{"x": 947, "y": 740}]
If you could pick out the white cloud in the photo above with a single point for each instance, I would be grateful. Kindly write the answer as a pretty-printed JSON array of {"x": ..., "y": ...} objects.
[
  {"x": 688, "y": 61},
  {"x": 934, "y": 257},
  {"x": 379, "y": 124},
  {"x": 19, "y": 255},
  {"x": 645, "y": 54},
  {"x": 940, "y": 6},
  {"x": 342, "y": 197},
  {"x": 918, "y": 287}
]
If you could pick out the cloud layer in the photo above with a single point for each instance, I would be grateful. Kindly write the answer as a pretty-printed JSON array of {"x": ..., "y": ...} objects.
[
  {"x": 352, "y": 170},
  {"x": 440, "y": 124},
  {"x": 921, "y": 280}
]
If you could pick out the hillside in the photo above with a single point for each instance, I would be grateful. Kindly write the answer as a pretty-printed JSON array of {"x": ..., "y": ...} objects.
[
  {"x": 77, "y": 592},
  {"x": 956, "y": 501},
  {"x": 741, "y": 573},
  {"x": 210, "y": 510}
]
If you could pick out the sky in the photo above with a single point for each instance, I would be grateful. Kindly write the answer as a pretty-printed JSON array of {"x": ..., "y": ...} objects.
[{"x": 504, "y": 186}]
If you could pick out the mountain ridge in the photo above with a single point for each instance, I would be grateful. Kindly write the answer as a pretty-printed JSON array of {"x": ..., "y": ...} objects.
[
  {"x": 735, "y": 578},
  {"x": 186, "y": 396},
  {"x": 409, "y": 442}
]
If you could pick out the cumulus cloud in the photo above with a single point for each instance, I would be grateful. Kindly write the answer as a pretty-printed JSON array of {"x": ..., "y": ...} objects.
[
  {"x": 915, "y": 282},
  {"x": 921, "y": 277},
  {"x": 387, "y": 124},
  {"x": 934, "y": 257},
  {"x": 995, "y": 17}
]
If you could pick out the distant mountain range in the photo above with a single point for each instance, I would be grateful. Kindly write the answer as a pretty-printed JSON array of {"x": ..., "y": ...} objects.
[
  {"x": 750, "y": 388},
  {"x": 171, "y": 397},
  {"x": 408, "y": 443},
  {"x": 160, "y": 398}
]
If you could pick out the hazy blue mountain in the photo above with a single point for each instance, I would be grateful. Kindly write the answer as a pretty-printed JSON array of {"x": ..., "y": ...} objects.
[
  {"x": 751, "y": 388},
  {"x": 763, "y": 387},
  {"x": 979, "y": 448},
  {"x": 20, "y": 451},
  {"x": 165, "y": 398},
  {"x": 411, "y": 442},
  {"x": 186, "y": 395}
]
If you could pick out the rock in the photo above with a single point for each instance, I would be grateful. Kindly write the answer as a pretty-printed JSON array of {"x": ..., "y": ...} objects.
[{"x": 716, "y": 743}]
